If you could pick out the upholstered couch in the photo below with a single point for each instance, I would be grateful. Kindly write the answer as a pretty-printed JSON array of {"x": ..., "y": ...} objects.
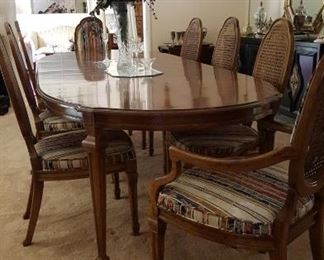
[{"x": 56, "y": 39}]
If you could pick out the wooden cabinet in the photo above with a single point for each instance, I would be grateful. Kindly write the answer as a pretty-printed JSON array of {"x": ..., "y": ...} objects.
[
  {"x": 206, "y": 51},
  {"x": 307, "y": 55}
]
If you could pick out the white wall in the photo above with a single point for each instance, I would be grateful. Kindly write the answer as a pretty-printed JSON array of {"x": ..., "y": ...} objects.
[
  {"x": 40, "y": 22},
  {"x": 7, "y": 13},
  {"x": 174, "y": 15}
]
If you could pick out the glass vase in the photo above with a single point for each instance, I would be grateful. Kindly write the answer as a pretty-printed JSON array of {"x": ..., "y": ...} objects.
[{"x": 124, "y": 19}]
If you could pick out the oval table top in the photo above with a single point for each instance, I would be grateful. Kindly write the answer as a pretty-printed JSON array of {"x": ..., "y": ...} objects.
[{"x": 186, "y": 87}]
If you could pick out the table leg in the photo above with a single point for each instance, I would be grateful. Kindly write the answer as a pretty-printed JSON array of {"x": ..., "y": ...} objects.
[
  {"x": 98, "y": 190},
  {"x": 266, "y": 136}
]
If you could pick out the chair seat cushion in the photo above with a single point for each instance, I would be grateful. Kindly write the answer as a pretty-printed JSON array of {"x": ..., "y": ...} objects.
[
  {"x": 244, "y": 203},
  {"x": 64, "y": 151},
  {"x": 222, "y": 142},
  {"x": 58, "y": 123}
]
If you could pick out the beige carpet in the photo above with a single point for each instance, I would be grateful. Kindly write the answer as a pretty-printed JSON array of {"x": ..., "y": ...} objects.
[{"x": 65, "y": 227}]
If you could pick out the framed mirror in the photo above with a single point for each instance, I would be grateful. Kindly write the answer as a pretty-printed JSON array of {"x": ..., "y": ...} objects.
[
  {"x": 58, "y": 6},
  {"x": 306, "y": 15}
]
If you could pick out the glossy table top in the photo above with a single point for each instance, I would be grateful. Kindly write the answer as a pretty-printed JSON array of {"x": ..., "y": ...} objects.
[{"x": 184, "y": 85}]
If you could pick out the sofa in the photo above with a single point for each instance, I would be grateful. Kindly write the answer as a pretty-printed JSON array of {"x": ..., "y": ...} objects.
[{"x": 49, "y": 41}]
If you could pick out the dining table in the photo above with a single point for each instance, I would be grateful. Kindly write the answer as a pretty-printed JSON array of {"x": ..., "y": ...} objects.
[{"x": 187, "y": 96}]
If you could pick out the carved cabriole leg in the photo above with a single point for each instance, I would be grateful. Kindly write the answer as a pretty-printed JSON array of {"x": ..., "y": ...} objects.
[
  {"x": 29, "y": 202},
  {"x": 37, "y": 194},
  {"x": 143, "y": 140},
  {"x": 132, "y": 189},
  {"x": 116, "y": 185},
  {"x": 316, "y": 232},
  {"x": 151, "y": 143},
  {"x": 93, "y": 145},
  {"x": 266, "y": 136}
]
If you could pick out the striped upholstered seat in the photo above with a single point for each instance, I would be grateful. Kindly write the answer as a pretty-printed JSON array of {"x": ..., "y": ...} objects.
[
  {"x": 64, "y": 151},
  {"x": 240, "y": 203},
  {"x": 226, "y": 141},
  {"x": 58, "y": 123}
]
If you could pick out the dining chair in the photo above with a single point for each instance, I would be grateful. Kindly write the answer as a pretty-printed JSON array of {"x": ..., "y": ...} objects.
[
  {"x": 191, "y": 46},
  {"x": 27, "y": 58},
  {"x": 276, "y": 57},
  {"x": 252, "y": 203},
  {"x": 61, "y": 156},
  {"x": 81, "y": 44},
  {"x": 88, "y": 36},
  {"x": 45, "y": 122},
  {"x": 227, "y": 47}
]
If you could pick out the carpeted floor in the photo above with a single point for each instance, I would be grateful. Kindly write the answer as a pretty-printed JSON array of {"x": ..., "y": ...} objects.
[{"x": 65, "y": 228}]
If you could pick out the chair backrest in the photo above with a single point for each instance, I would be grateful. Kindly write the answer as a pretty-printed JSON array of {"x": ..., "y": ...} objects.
[
  {"x": 275, "y": 56},
  {"x": 22, "y": 71},
  {"x": 88, "y": 35},
  {"x": 307, "y": 172},
  {"x": 191, "y": 46},
  {"x": 16, "y": 97},
  {"x": 226, "y": 52},
  {"x": 27, "y": 60}
]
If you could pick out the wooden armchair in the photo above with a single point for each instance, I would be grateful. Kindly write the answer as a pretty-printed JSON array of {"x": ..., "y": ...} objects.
[
  {"x": 46, "y": 122},
  {"x": 227, "y": 47},
  {"x": 250, "y": 202},
  {"x": 191, "y": 46},
  {"x": 61, "y": 156},
  {"x": 276, "y": 55}
]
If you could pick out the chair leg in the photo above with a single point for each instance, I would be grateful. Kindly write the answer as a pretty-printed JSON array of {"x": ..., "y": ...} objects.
[
  {"x": 151, "y": 143},
  {"x": 116, "y": 185},
  {"x": 38, "y": 187},
  {"x": 158, "y": 237},
  {"x": 132, "y": 189},
  {"x": 143, "y": 140},
  {"x": 316, "y": 232},
  {"x": 130, "y": 132},
  {"x": 30, "y": 197},
  {"x": 279, "y": 254}
]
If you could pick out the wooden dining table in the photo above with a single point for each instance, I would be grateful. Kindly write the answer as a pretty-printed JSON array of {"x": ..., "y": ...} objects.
[{"x": 187, "y": 96}]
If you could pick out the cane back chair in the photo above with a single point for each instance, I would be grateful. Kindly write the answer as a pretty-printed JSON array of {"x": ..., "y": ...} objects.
[
  {"x": 227, "y": 47},
  {"x": 46, "y": 123},
  {"x": 88, "y": 36},
  {"x": 61, "y": 156},
  {"x": 191, "y": 46},
  {"x": 276, "y": 51},
  {"x": 250, "y": 202}
]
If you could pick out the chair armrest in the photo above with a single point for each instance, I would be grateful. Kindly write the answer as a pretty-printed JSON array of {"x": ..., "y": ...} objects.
[{"x": 234, "y": 164}]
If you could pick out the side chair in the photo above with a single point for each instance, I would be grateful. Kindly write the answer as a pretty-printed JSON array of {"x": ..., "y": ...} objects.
[
  {"x": 88, "y": 36},
  {"x": 191, "y": 46},
  {"x": 61, "y": 157},
  {"x": 45, "y": 121},
  {"x": 274, "y": 60},
  {"x": 27, "y": 59},
  {"x": 88, "y": 41},
  {"x": 227, "y": 47},
  {"x": 250, "y": 202}
]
